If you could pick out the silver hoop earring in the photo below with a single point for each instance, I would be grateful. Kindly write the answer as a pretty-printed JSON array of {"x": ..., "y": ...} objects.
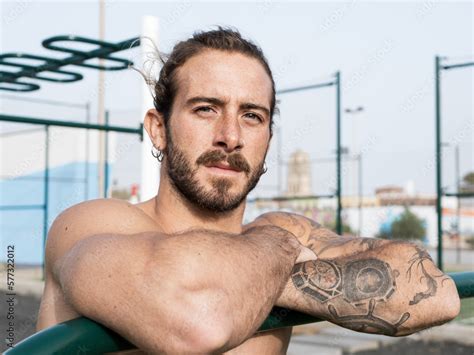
[
  {"x": 264, "y": 170},
  {"x": 157, "y": 153}
]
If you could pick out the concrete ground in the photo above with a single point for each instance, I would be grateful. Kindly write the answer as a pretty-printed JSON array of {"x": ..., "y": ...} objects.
[{"x": 318, "y": 338}]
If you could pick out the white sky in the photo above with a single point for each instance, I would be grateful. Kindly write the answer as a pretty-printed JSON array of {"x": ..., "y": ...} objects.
[{"x": 385, "y": 51}]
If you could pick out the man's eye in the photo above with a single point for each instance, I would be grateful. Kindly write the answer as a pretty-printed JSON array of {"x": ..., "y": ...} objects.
[
  {"x": 203, "y": 109},
  {"x": 253, "y": 116}
]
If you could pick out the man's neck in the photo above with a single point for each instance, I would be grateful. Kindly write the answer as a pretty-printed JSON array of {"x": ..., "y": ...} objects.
[{"x": 175, "y": 213}]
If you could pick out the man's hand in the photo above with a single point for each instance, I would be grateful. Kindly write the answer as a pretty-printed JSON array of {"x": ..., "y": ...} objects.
[
  {"x": 305, "y": 253},
  {"x": 365, "y": 284}
]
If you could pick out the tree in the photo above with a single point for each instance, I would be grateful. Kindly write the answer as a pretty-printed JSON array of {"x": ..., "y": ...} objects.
[
  {"x": 468, "y": 182},
  {"x": 470, "y": 242},
  {"x": 408, "y": 227}
]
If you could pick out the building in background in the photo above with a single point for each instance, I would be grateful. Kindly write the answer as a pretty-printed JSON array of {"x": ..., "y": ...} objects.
[{"x": 299, "y": 175}]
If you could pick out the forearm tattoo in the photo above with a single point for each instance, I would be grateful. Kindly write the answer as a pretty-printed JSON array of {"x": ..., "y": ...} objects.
[
  {"x": 351, "y": 286},
  {"x": 361, "y": 283},
  {"x": 417, "y": 261}
]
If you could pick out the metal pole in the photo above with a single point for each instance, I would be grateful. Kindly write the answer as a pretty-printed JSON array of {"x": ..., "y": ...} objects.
[
  {"x": 58, "y": 123},
  {"x": 360, "y": 194},
  {"x": 101, "y": 104},
  {"x": 339, "y": 228},
  {"x": 45, "y": 195},
  {"x": 439, "y": 210},
  {"x": 458, "y": 205},
  {"x": 106, "y": 157},
  {"x": 279, "y": 160},
  {"x": 359, "y": 158},
  {"x": 86, "y": 172}
]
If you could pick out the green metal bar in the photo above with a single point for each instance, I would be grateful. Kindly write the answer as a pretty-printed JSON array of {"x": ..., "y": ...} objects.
[
  {"x": 339, "y": 228},
  {"x": 438, "y": 155},
  {"x": 141, "y": 131},
  {"x": 457, "y": 172},
  {"x": 288, "y": 198},
  {"x": 105, "y": 49},
  {"x": 464, "y": 283},
  {"x": 78, "y": 57},
  {"x": 106, "y": 157},
  {"x": 460, "y": 65},
  {"x": 78, "y": 336},
  {"x": 30, "y": 120},
  {"x": 302, "y": 88},
  {"x": 460, "y": 194},
  {"x": 9, "y": 80},
  {"x": 21, "y": 207},
  {"x": 86, "y": 167},
  {"x": 85, "y": 335},
  {"x": 439, "y": 192},
  {"x": 32, "y": 71},
  {"x": 46, "y": 197},
  {"x": 308, "y": 87},
  {"x": 20, "y": 86}
]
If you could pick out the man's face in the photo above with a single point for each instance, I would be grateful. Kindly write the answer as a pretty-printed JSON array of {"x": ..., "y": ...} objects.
[{"x": 219, "y": 129}]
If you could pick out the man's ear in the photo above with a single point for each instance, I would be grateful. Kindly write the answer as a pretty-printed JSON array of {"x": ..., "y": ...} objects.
[{"x": 154, "y": 124}]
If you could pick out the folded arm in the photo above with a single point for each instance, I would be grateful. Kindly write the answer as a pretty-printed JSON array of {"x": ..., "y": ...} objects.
[
  {"x": 365, "y": 284},
  {"x": 178, "y": 293}
]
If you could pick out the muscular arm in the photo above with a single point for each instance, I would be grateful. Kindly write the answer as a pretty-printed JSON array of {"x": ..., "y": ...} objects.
[
  {"x": 176, "y": 293},
  {"x": 365, "y": 284}
]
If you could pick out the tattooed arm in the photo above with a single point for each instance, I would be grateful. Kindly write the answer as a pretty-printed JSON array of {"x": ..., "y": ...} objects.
[{"x": 365, "y": 284}]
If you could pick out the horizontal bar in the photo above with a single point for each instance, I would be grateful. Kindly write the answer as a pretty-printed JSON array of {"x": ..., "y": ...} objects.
[
  {"x": 302, "y": 88},
  {"x": 58, "y": 123},
  {"x": 464, "y": 283},
  {"x": 460, "y": 194},
  {"x": 17, "y": 86},
  {"x": 459, "y": 65},
  {"x": 21, "y": 207},
  {"x": 65, "y": 338},
  {"x": 288, "y": 198}
]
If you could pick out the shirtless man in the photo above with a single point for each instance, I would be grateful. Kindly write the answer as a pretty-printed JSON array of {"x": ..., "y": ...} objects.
[{"x": 181, "y": 274}]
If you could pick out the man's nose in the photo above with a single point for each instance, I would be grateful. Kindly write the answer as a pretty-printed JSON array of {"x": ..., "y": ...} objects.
[{"x": 228, "y": 134}]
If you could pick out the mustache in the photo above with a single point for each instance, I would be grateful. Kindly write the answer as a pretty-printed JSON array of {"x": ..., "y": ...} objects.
[{"x": 236, "y": 160}]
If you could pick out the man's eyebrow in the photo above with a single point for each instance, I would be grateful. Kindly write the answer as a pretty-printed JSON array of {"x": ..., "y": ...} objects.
[
  {"x": 251, "y": 106},
  {"x": 219, "y": 102},
  {"x": 211, "y": 100}
]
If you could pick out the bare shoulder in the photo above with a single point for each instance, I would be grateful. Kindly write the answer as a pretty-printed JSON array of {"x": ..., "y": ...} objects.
[{"x": 90, "y": 218}]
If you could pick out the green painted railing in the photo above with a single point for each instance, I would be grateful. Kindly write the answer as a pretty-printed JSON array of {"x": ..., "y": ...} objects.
[{"x": 84, "y": 336}]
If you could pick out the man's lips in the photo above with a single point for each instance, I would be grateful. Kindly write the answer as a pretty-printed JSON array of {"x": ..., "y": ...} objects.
[{"x": 222, "y": 166}]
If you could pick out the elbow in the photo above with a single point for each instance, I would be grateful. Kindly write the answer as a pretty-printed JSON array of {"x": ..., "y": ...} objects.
[
  {"x": 443, "y": 309},
  {"x": 207, "y": 339},
  {"x": 199, "y": 333},
  {"x": 210, "y": 331},
  {"x": 450, "y": 304},
  {"x": 201, "y": 323}
]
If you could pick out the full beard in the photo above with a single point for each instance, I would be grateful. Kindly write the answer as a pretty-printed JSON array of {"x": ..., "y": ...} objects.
[{"x": 218, "y": 198}]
